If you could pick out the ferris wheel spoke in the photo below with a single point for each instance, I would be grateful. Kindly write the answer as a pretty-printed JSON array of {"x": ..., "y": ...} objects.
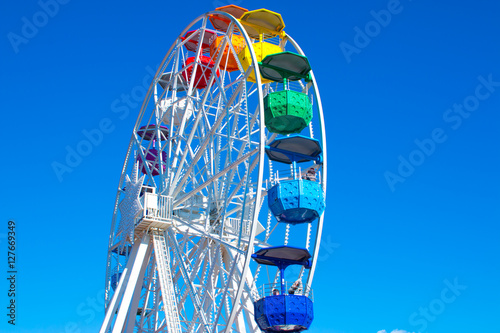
[
  {"x": 200, "y": 231},
  {"x": 192, "y": 162},
  {"x": 245, "y": 315},
  {"x": 244, "y": 144},
  {"x": 200, "y": 113},
  {"x": 194, "y": 274},
  {"x": 185, "y": 292},
  {"x": 251, "y": 201},
  {"x": 235, "y": 316},
  {"x": 206, "y": 292},
  {"x": 216, "y": 160},
  {"x": 190, "y": 255},
  {"x": 179, "y": 184},
  {"x": 179, "y": 137},
  {"x": 223, "y": 302},
  {"x": 239, "y": 185},
  {"x": 212, "y": 280},
  {"x": 217, "y": 176},
  {"x": 246, "y": 302},
  {"x": 196, "y": 302}
]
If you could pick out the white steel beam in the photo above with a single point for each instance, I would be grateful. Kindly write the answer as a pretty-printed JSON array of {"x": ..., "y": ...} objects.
[
  {"x": 140, "y": 261},
  {"x": 137, "y": 293}
]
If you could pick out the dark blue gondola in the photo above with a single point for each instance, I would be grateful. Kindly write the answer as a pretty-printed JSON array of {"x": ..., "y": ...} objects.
[{"x": 282, "y": 312}]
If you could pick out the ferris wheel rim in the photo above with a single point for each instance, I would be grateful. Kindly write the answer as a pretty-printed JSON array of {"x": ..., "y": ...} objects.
[{"x": 325, "y": 166}]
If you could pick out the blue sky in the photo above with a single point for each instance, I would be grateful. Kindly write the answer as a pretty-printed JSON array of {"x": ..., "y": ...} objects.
[{"x": 411, "y": 93}]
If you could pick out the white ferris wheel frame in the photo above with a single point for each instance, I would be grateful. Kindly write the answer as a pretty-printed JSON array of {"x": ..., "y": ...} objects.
[{"x": 116, "y": 316}]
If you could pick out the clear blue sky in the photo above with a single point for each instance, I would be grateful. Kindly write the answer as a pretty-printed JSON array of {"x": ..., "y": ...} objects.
[{"x": 411, "y": 93}]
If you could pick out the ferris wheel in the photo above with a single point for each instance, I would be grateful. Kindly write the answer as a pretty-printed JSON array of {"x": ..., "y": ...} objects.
[{"x": 223, "y": 186}]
